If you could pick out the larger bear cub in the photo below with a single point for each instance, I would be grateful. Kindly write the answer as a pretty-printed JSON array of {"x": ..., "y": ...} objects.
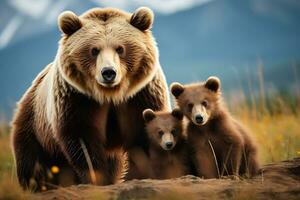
[
  {"x": 221, "y": 145},
  {"x": 78, "y": 112}
]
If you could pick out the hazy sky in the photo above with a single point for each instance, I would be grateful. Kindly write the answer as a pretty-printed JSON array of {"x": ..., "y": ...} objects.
[
  {"x": 23, "y": 11},
  {"x": 22, "y": 18}
]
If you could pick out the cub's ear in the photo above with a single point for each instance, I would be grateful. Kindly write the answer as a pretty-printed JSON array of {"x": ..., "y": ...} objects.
[
  {"x": 177, "y": 113},
  {"x": 148, "y": 115},
  {"x": 69, "y": 22},
  {"x": 176, "y": 89},
  {"x": 213, "y": 83},
  {"x": 142, "y": 18}
]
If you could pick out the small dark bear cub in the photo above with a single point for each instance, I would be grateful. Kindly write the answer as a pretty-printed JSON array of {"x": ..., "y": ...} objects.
[
  {"x": 220, "y": 145},
  {"x": 168, "y": 152}
]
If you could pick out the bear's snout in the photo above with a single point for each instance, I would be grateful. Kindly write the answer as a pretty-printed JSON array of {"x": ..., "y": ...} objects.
[
  {"x": 169, "y": 145},
  {"x": 109, "y": 74},
  {"x": 167, "y": 141},
  {"x": 199, "y": 119}
]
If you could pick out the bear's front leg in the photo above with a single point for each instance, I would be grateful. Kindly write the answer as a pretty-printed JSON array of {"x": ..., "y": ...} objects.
[
  {"x": 89, "y": 160},
  {"x": 31, "y": 171},
  {"x": 76, "y": 156},
  {"x": 234, "y": 157},
  {"x": 205, "y": 163},
  {"x": 251, "y": 162}
]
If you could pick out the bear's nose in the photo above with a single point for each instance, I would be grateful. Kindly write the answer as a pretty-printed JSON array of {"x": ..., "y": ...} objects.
[
  {"x": 199, "y": 119},
  {"x": 108, "y": 74},
  {"x": 169, "y": 144}
]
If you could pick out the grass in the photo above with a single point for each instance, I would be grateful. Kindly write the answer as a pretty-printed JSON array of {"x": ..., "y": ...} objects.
[{"x": 274, "y": 123}]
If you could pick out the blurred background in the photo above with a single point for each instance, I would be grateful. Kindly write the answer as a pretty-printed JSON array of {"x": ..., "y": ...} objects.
[
  {"x": 252, "y": 45},
  {"x": 232, "y": 39}
]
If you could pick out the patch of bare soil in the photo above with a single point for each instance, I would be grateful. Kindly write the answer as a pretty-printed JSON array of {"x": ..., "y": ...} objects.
[{"x": 277, "y": 181}]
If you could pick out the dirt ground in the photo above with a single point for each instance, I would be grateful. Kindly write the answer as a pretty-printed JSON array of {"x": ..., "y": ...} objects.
[{"x": 277, "y": 181}]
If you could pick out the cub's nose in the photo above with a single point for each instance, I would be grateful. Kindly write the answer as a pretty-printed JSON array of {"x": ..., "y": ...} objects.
[
  {"x": 169, "y": 145},
  {"x": 199, "y": 119},
  {"x": 108, "y": 74}
]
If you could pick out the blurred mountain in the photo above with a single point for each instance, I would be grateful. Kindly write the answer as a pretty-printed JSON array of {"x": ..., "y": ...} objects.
[{"x": 228, "y": 38}]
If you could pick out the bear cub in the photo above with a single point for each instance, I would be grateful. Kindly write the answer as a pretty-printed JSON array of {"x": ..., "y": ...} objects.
[
  {"x": 168, "y": 152},
  {"x": 220, "y": 145}
]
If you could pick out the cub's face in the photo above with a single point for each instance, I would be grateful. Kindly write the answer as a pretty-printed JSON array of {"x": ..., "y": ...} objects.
[
  {"x": 199, "y": 102},
  {"x": 106, "y": 53},
  {"x": 164, "y": 128}
]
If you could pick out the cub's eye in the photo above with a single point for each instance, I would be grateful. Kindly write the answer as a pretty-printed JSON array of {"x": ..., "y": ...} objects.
[
  {"x": 95, "y": 51},
  {"x": 205, "y": 103},
  {"x": 190, "y": 107},
  {"x": 173, "y": 131},
  {"x": 120, "y": 50},
  {"x": 160, "y": 133}
]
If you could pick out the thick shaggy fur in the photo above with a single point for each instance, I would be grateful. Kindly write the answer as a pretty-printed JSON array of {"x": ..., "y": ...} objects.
[
  {"x": 67, "y": 107},
  {"x": 216, "y": 133},
  {"x": 162, "y": 128}
]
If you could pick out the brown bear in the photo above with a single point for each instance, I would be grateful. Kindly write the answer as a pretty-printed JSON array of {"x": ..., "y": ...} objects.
[
  {"x": 220, "y": 144},
  {"x": 78, "y": 113},
  {"x": 168, "y": 151}
]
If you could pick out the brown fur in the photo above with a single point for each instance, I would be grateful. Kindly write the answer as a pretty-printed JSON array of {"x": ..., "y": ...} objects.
[
  {"x": 235, "y": 150},
  {"x": 67, "y": 103},
  {"x": 174, "y": 161}
]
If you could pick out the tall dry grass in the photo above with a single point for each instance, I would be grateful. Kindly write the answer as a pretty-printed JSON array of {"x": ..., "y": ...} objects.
[
  {"x": 272, "y": 117},
  {"x": 275, "y": 126}
]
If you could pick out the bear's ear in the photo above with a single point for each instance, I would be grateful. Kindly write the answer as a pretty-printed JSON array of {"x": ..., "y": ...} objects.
[
  {"x": 177, "y": 113},
  {"x": 142, "y": 18},
  {"x": 213, "y": 83},
  {"x": 148, "y": 115},
  {"x": 176, "y": 89},
  {"x": 69, "y": 22}
]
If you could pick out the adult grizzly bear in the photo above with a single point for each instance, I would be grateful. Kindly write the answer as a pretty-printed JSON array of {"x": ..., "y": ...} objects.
[{"x": 85, "y": 108}]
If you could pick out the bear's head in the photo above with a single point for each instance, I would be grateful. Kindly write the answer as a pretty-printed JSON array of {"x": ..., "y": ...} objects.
[
  {"x": 164, "y": 129},
  {"x": 199, "y": 102},
  {"x": 107, "y": 54}
]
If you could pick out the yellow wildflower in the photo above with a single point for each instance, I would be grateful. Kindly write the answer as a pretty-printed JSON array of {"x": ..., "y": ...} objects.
[{"x": 55, "y": 169}]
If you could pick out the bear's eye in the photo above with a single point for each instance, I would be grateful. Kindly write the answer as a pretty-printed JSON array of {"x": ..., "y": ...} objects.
[
  {"x": 120, "y": 50},
  {"x": 205, "y": 103},
  {"x": 173, "y": 131},
  {"x": 95, "y": 51},
  {"x": 160, "y": 133},
  {"x": 190, "y": 107}
]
